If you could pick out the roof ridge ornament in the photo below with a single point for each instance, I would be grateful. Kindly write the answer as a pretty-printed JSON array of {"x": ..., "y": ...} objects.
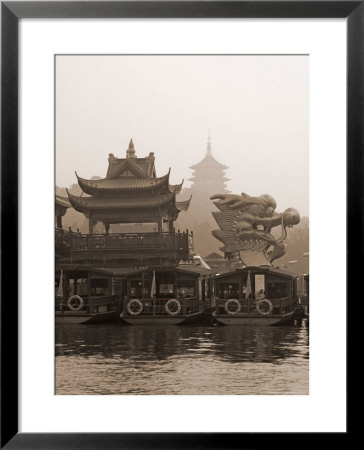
[{"x": 130, "y": 153}]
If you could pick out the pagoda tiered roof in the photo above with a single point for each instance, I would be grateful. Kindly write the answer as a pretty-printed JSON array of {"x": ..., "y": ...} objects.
[
  {"x": 209, "y": 162},
  {"x": 131, "y": 191}
]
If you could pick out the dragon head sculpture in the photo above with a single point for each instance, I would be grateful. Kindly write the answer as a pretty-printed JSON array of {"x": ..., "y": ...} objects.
[{"x": 246, "y": 222}]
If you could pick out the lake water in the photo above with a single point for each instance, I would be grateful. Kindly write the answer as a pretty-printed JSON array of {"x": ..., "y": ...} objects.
[{"x": 119, "y": 359}]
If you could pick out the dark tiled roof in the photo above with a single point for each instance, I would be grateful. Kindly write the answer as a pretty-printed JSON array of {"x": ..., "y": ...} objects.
[
  {"x": 90, "y": 203},
  {"x": 63, "y": 201},
  {"x": 183, "y": 206},
  {"x": 142, "y": 167},
  {"x": 121, "y": 184},
  {"x": 176, "y": 188}
]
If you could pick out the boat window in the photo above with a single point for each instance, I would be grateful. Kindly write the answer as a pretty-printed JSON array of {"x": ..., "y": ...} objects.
[
  {"x": 186, "y": 289},
  {"x": 98, "y": 287},
  {"x": 259, "y": 282},
  {"x": 140, "y": 289},
  {"x": 82, "y": 286},
  {"x": 228, "y": 290},
  {"x": 77, "y": 286},
  {"x": 165, "y": 284},
  {"x": 166, "y": 290},
  {"x": 277, "y": 289}
]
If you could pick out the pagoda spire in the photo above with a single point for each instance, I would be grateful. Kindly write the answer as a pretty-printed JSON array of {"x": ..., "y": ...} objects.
[
  {"x": 209, "y": 144},
  {"x": 130, "y": 153}
]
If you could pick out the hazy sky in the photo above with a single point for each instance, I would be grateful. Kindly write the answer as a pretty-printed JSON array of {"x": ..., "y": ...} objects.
[{"x": 255, "y": 106}]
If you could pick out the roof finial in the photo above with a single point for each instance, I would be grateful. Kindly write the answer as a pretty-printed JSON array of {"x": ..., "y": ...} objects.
[
  {"x": 209, "y": 143},
  {"x": 130, "y": 153}
]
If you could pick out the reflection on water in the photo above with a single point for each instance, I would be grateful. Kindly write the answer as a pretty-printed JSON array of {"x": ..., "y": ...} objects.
[{"x": 118, "y": 359}]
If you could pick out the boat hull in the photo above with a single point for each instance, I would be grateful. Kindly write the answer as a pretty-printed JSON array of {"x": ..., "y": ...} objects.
[
  {"x": 84, "y": 318},
  {"x": 158, "y": 320},
  {"x": 254, "y": 320}
]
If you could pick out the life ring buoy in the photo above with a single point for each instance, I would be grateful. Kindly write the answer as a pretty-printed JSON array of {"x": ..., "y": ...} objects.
[
  {"x": 263, "y": 311},
  {"x": 173, "y": 307},
  {"x": 75, "y": 302},
  {"x": 134, "y": 307},
  {"x": 235, "y": 304}
]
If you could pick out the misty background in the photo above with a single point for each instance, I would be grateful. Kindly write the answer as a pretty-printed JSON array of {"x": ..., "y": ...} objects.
[{"x": 256, "y": 108}]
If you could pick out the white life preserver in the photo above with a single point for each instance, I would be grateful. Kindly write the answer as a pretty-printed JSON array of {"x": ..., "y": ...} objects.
[
  {"x": 71, "y": 303},
  {"x": 176, "y": 308},
  {"x": 260, "y": 303},
  {"x": 134, "y": 307},
  {"x": 232, "y": 301}
]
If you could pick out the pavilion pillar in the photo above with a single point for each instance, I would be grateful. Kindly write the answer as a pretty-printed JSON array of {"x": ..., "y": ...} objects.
[
  {"x": 90, "y": 225},
  {"x": 107, "y": 228},
  {"x": 170, "y": 226},
  {"x": 160, "y": 225},
  {"x": 59, "y": 221}
]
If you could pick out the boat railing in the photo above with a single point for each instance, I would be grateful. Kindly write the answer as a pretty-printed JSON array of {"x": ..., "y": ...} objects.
[
  {"x": 281, "y": 305},
  {"x": 157, "y": 306},
  {"x": 91, "y": 304}
]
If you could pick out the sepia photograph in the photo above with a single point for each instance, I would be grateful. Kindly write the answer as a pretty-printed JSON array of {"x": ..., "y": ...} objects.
[{"x": 181, "y": 224}]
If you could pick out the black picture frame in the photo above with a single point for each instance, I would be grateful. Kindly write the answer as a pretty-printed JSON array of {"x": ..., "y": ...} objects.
[{"x": 11, "y": 13}]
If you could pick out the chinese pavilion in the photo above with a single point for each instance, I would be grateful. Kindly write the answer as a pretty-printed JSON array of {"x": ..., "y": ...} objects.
[{"x": 130, "y": 193}]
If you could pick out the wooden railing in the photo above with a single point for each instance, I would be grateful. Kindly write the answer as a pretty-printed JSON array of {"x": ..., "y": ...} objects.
[
  {"x": 64, "y": 239},
  {"x": 181, "y": 242},
  {"x": 248, "y": 306}
]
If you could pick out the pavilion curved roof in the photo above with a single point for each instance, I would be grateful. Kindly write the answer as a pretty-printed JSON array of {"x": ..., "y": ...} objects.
[
  {"x": 127, "y": 184},
  {"x": 63, "y": 201},
  {"x": 183, "y": 205},
  {"x": 83, "y": 204},
  {"x": 96, "y": 203}
]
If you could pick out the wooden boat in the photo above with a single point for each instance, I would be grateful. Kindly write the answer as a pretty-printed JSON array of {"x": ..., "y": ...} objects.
[
  {"x": 165, "y": 296},
  {"x": 255, "y": 296},
  {"x": 84, "y": 295}
]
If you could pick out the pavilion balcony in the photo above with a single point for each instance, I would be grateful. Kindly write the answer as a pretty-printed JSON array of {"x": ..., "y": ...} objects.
[{"x": 177, "y": 245}]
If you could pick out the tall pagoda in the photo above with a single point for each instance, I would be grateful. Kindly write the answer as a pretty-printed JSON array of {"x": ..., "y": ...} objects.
[
  {"x": 131, "y": 192},
  {"x": 208, "y": 178},
  {"x": 208, "y": 175}
]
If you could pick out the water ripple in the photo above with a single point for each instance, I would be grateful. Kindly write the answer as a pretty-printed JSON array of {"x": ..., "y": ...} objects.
[{"x": 116, "y": 359}]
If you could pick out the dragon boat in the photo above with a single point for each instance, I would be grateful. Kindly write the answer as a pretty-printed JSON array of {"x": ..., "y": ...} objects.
[{"x": 255, "y": 292}]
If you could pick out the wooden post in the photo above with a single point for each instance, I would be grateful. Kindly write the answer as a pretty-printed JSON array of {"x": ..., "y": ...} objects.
[
  {"x": 59, "y": 221},
  {"x": 143, "y": 285},
  {"x": 160, "y": 225},
  {"x": 90, "y": 225},
  {"x": 107, "y": 228}
]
